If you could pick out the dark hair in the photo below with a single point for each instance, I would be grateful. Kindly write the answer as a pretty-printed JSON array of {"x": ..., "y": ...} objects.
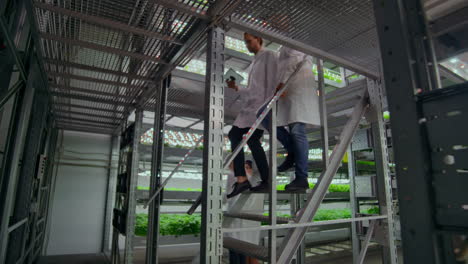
[
  {"x": 250, "y": 163},
  {"x": 257, "y": 37}
]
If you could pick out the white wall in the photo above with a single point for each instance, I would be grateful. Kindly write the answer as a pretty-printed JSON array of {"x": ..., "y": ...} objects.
[{"x": 78, "y": 205}]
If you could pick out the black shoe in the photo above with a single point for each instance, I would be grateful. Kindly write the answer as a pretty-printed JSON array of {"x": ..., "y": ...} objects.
[
  {"x": 297, "y": 185},
  {"x": 239, "y": 188},
  {"x": 287, "y": 164},
  {"x": 262, "y": 187}
]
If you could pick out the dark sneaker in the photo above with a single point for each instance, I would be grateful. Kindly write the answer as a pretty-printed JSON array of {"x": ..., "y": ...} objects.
[
  {"x": 262, "y": 187},
  {"x": 287, "y": 164},
  {"x": 297, "y": 185},
  {"x": 239, "y": 188}
]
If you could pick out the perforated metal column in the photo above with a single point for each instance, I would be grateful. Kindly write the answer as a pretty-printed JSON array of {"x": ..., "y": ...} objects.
[
  {"x": 110, "y": 193},
  {"x": 212, "y": 238},
  {"x": 384, "y": 186},
  {"x": 131, "y": 199}
]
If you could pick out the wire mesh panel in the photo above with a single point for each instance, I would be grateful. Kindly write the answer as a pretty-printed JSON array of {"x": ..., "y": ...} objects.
[
  {"x": 106, "y": 52},
  {"x": 342, "y": 28}
]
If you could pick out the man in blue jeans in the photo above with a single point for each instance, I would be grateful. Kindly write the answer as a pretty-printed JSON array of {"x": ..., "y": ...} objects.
[{"x": 297, "y": 107}]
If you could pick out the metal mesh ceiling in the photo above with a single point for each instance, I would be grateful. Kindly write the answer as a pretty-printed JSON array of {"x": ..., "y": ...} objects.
[
  {"x": 101, "y": 55},
  {"x": 345, "y": 28}
]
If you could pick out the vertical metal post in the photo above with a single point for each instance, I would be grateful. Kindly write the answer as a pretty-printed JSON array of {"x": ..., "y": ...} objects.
[
  {"x": 110, "y": 192},
  {"x": 384, "y": 186},
  {"x": 152, "y": 238},
  {"x": 272, "y": 185},
  {"x": 131, "y": 198},
  {"x": 13, "y": 155},
  {"x": 353, "y": 203},
  {"x": 211, "y": 235},
  {"x": 323, "y": 114},
  {"x": 156, "y": 174},
  {"x": 408, "y": 67}
]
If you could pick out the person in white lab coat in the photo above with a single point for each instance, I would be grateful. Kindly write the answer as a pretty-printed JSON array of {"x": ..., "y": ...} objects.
[
  {"x": 297, "y": 107},
  {"x": 253, "y": 205},
  {"x": 260, "y": 87}
]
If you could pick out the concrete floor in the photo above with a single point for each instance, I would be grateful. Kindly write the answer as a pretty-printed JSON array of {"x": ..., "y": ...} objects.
[
  {"x": 372, "y": 257},
  {"x": 74, "y": 259}
]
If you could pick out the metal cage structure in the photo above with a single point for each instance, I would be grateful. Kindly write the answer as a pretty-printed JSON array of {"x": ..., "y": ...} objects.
[{"x": 88, "y": 65}]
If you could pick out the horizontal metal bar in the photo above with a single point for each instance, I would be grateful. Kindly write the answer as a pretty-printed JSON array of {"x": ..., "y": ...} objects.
[
  {"x": 451, "y": 22},
  {"x": 88, "y": 107},
  {"x": 182, "y": 8},
  {"x": 307, "y": 49},
  {"x": 89, "y": 98},
  {"x": 85, "y": 129},
  {"x": 17, "y": 225},
  {"x": 319, "y": 223},
  {"x": 90, "y": 79},
  {"x": 85, "y": 123},
  {"x": 96, "y": 69},
  {"x": 108, "y": 23},
  {"x": 85, "y": 120},
  {"x": 66, "y": 88},
  {"x": 102, "y": 48},
  {"x": 58, "y": 111}
]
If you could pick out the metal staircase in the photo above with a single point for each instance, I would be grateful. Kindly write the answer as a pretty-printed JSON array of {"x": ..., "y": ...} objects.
[
  {"x": 293, "y": 240},
  {"x": 348, "y": 107}
]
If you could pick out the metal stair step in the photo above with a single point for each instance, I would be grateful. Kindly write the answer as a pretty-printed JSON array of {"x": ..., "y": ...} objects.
[
  {"x": 282, "y": 191},
  {"x": 246, "y": 248},
  {"x": 260, "y": 218}
]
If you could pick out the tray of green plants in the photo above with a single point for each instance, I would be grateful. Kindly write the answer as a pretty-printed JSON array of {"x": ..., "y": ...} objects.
[{"x": 181, "y": 224}]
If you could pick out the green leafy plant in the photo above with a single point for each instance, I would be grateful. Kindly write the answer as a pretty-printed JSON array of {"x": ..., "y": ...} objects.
[
  {"x": 372, "y": 210},
  {"x": 339, "y": 188},
  {"x": 170, "y": 224}
]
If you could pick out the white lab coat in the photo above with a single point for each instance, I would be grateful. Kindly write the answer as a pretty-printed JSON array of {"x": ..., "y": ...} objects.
[
  {"x": 301, "y": 103},
  {"x": 253, "y": 205},
  {"x": 261, "y": 87}
]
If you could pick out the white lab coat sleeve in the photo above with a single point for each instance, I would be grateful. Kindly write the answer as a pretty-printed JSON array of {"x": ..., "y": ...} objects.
[
  {"x": 289, "y": 65},
  {"x": 272, "y": 74}
]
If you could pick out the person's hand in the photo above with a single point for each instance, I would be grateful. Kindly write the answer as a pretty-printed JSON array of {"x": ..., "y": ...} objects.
[
  {"x": 279, "y": 87},
  {"x": 232, "y": 84}
]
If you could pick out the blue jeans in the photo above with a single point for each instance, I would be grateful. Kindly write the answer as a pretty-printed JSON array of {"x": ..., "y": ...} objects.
[{"x": 295, "y": 142}]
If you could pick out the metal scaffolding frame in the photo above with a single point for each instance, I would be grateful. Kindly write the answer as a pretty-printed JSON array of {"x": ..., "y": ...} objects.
[
  {"x": 88, "y": 66},
  {"x": 27, "y": 164}
]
